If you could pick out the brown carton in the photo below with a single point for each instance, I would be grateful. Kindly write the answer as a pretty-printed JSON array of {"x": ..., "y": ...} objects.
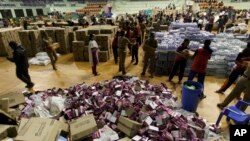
[
  {"x": 39, "y": 129},
  {"x": 82, "y": 127},
  {"x": 4, "y": 104},
  {"x": 128, "y": 131},
  {"x": 103, "y": 56},
  {"x": 14, "y": 98},
  {"x": 129, "y": 123}
]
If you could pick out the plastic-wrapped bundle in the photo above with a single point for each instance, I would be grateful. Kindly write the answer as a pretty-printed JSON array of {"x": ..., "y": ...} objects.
[
  {"x": 176, "y": 25},
  {"x": 193, "y": 45}
]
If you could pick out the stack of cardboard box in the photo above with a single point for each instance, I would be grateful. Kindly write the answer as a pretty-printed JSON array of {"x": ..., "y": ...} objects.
[
  {"x": 104, "y": 41},
  {"x": 26, "y": 42},
  {"x": 7, "y": 35},
  {"x": 81, "y": 34},
  {"x": 78, "y": 50},
  {"x": 36, "y": 41},
  {"x": 31, "y": 40},
  {"x": 62, "y": 38}
]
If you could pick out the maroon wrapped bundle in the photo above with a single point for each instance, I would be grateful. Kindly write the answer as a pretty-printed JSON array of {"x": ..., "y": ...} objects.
[{"x": 166, "y": 136}]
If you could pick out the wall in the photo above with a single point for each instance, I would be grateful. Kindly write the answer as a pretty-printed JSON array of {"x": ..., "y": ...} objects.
[
  {"x": 238, "y": 5},
  {"x": 58, "y": 6}
]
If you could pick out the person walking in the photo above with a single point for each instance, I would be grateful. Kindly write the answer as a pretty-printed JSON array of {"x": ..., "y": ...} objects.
[
  {"x": 241, "y": 86},
  {"x": 199, "y": 66},
  {"x": 93, "y": 53},
  {"x": 221, "y": 24},
  {"x": 123, "y": 43},
  {"x": 115, "y": 47},
  {"x": 149, "y": 48},
  {"x": 21, "y": 61},
  {"x": 50, "y": 48},
  {"x": 180, "y": 62},
  {"x": 237, "y": 71}
]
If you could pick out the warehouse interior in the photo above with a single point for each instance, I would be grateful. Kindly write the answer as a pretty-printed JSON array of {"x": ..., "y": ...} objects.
[{"x": 84, "y": 93}]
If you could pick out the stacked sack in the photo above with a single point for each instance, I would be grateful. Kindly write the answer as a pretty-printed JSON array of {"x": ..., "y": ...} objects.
[{"x": 226, "y": 48}]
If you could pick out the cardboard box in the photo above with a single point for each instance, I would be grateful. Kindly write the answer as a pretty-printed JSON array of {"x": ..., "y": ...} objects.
[
  {"x": 22, "y": 123},
  {"x": 4, "y": 104},
  {"x": 129, "y": 123},
  {"x": 82, "y": 127},
  {"x": 102, "y": 37},
  {"x": 81, "y": 34},
  {"x": 129, "y": 132},
  {"x": 7, "y": 131},
  {"x": 39, "y": 129},
  {"x": 14, "y": 98},
  {"x": 125, "y": 139},
  {"x": 103, "y": 56}
]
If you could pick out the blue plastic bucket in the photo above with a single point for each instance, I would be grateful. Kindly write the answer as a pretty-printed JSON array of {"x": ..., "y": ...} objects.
[{"x": 191, "y": 98}]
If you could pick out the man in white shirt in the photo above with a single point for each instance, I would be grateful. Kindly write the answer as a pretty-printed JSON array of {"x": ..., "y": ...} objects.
[{"x": 93, "y": 53}]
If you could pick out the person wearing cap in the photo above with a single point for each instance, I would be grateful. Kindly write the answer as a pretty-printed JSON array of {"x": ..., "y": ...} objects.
[
  {"x": 149, "y": 48},
  {"x": 243, "y": 85},
  {"x": 93, "y": 53},
  {"x": 123, "y": 43},
  {"x": 22, "y": 65}
]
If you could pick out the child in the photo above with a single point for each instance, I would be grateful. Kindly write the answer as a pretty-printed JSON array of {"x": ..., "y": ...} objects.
[{"x": 93, "y": 54}]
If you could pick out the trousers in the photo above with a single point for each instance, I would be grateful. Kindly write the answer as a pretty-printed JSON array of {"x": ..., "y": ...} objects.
[
  {"x": 178, "y": 64},
  {"x": 241, "y": 86},
  {"x": 53, "y": 57},
  {"x": 122, "y": 58},
  {"x": 149, "y": 60},
  {"x": 23, "y": 75}
]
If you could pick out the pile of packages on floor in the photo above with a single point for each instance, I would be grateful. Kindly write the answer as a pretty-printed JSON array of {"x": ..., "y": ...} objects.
[
  {"x": 124, "y": 108},
  {"x": 41, "y": 59}
]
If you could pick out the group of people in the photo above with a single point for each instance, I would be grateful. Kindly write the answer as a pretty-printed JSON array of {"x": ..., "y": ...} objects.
[{"x": 199, "y": 66}]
